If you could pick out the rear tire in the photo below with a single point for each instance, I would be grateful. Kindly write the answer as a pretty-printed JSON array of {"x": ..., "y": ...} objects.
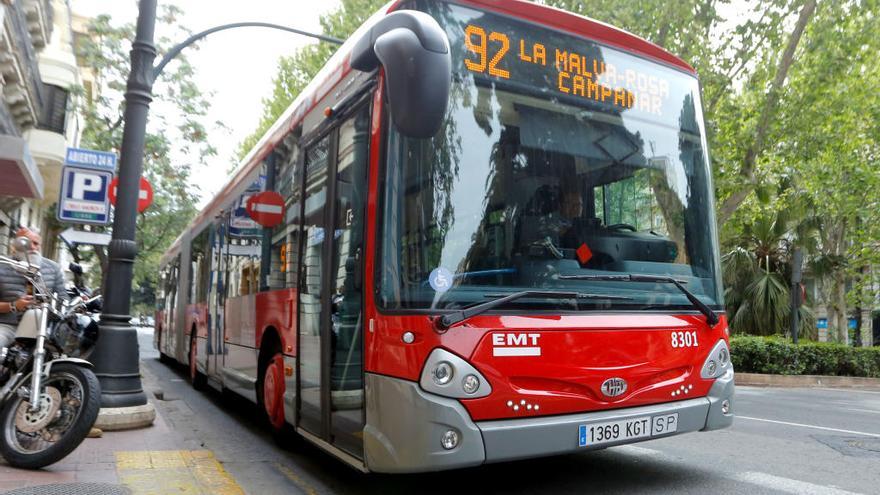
[
  {"x": 197, "y": 379},
  {"x": 10, "y": 444}
]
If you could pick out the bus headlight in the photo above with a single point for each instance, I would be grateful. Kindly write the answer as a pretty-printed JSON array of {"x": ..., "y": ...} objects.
[
  {"x": 470, "y": 384},
  {"x": 717, "y": 362},
  {"x": 440, "y": 372}
]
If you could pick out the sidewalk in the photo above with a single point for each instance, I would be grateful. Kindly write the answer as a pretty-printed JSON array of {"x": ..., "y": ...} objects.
[{"x": 152, "y": 460}]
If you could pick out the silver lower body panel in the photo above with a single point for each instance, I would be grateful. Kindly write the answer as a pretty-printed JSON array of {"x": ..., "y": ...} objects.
[{"x": 404, "y": 426}]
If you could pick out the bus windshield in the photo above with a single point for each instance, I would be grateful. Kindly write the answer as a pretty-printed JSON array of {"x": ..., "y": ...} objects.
[{"x": 558, "y": 157}]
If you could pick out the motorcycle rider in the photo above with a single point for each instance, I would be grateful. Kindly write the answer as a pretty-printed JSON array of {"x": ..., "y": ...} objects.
[{"x": 14, "y": 297}]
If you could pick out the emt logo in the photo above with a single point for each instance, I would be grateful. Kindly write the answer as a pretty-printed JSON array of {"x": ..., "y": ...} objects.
[{"x": 516, "y": 344}]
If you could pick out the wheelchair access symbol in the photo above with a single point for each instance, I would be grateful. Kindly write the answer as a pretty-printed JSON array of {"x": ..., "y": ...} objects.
[{"x": 440, "y": 279}]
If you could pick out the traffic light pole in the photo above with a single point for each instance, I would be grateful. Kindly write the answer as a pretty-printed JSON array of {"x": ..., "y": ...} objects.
[{"x": 116, "y": 356}]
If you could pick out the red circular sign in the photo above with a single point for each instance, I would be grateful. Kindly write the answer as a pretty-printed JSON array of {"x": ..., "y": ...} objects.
[
  {"x": 145, "y": 195},
  {"x": 266, "y": 208}
]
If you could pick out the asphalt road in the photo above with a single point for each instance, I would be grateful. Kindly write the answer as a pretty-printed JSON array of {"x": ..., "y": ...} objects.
[{"x": 817, "y": 441}]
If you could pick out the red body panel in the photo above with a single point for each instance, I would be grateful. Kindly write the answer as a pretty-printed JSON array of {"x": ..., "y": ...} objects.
[
  {"x": 578, "y": 352},
  {"x": 277, "y": 309}
]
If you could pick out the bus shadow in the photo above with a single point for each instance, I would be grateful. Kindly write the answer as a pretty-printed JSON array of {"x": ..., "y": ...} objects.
[{"x": 607, "y": 471}]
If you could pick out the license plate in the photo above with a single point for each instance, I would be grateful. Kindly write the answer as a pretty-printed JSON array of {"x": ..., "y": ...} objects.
[{"x": 627, "y": 429}]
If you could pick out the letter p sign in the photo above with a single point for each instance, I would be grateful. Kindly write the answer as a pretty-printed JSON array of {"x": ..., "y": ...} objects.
[
  {"x": 83, "y": 197},
  {"x": 86, "y": 186}
]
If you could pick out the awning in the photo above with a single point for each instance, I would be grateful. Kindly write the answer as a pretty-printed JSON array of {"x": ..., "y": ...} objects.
[{"x": 19, "y": 175}]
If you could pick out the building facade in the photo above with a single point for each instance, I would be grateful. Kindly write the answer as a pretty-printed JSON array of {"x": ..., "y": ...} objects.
[{"x": 40, "y": 80}]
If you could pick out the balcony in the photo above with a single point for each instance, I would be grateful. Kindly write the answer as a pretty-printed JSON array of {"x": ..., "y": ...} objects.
[{"x": 22, "y": 88}]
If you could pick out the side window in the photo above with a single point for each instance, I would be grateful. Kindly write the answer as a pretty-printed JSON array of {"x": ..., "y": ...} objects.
[
  {"x": 200, "y": 268},
  {"x": 286, "y": 237},
  {"x": 243, "y": 247}
]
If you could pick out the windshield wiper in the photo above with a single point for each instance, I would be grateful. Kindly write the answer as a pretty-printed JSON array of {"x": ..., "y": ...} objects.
[
  {"x": 442, "y": 323},
  {"x": 711, "y": 317}
]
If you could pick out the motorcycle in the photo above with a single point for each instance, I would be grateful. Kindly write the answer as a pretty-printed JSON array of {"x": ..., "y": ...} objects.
[{"x": 49, "y": 396}]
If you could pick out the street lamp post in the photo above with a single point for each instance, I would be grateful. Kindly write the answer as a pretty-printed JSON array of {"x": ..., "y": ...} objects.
[{"x": 116, "y": 354}]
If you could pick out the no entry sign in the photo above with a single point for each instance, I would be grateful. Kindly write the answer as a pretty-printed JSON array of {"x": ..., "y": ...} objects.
[
  {"x": 266, "y": 208},
  {"x": 145, "y": 194}
]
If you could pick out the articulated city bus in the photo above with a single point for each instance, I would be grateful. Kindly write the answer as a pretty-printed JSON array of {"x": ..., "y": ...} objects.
[{"x": 495, "y": 240}]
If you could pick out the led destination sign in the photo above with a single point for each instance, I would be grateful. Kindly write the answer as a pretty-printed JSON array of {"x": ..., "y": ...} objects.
[{"x": 547, "y": 60}]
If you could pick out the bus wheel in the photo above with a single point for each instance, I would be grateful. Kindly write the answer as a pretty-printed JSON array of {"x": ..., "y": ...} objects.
[
  {"x": 273, "y": 391},
  {"x": 197, "y": 379}
]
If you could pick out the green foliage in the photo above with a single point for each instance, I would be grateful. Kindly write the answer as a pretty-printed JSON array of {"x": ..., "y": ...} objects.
[
  {"x": 175, "y": 126},
  {"x": 791, "y": 97},
  {"x": 775, "y": 355},
  {"x": 295, "y": 72}
]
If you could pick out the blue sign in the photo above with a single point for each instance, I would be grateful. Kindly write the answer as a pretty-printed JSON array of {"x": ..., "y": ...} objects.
[
  {"x": 440, "y": 279},
  {"x": 99, "y": 160},
  {"x": 83, "y": 197}
]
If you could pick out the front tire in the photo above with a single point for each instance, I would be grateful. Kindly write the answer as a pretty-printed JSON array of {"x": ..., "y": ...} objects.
[{"x": 70, "y": 418}]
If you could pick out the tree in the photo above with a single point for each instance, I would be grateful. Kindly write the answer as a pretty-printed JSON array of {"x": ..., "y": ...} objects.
[
  {"x": 830, "y": 136},
  {"x": 295, "y": 72},
  {"x": 175, "y": 128}
]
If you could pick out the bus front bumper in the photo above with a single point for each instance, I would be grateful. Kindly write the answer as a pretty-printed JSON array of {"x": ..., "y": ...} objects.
[{"x": 405, "y": 425}]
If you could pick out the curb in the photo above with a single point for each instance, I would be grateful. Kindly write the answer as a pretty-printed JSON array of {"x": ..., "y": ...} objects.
[{"x": 762, "y": 380}]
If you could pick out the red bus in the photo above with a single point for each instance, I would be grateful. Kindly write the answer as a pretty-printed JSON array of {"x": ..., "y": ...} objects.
[{"x": 522, "y": 257}]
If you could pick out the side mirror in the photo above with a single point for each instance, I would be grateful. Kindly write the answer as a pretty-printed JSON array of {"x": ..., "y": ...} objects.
[
  {"x": 75, "y": 268},
  {"x": 414, "y": 51},
  {"x": 21, "y": 245}
]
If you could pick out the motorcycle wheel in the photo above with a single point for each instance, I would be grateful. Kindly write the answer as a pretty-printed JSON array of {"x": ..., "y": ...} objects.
[{"x": 68, "y": 408}]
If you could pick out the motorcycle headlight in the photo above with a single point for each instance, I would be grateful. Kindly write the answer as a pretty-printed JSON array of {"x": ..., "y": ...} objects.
[{"x": 75, "y": 336}]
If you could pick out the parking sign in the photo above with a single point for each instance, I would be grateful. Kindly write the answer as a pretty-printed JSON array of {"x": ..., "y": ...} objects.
[{"x": 83, "y": 196}]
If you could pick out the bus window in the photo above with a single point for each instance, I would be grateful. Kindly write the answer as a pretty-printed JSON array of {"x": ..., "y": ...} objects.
[
  {"x": 200, "y": 268},
  {"x": 286, "y": 236}
]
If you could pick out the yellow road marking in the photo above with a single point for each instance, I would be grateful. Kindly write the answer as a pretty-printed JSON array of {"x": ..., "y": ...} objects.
[
  {"x": 296, "y": 479},
  {"x": 185, "y": 472}
]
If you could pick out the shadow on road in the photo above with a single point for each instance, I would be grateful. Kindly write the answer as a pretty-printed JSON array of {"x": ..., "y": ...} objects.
[{"x": 608, "y": 471}]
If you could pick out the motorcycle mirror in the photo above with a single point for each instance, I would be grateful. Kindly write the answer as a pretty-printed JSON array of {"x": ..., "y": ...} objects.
[
  {"x": 75, "y": 268},
  {"x": 21, "y": 244}
]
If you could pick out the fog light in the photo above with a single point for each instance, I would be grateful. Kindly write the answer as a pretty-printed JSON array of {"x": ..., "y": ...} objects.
[
  {"x": 470, "y": 384},
  {"x": 725, "y": 406},
  {"x": 442, "y": 373},
  {"x": 712, "y": 367},
  {"x": 449, "y": 440},
  {"x": 724, "y": 356}
]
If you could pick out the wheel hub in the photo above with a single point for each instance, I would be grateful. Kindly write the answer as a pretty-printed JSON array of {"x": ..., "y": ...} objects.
[{"x": 28, "y": 421}]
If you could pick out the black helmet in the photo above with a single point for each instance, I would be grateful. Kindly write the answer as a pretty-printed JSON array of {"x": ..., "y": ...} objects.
[{"x": 76, "y": 335}]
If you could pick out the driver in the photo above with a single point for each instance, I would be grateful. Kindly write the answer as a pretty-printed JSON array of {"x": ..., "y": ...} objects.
[
  {"x": 572, "y": 209},
  {"x": 14, "y": 294}
]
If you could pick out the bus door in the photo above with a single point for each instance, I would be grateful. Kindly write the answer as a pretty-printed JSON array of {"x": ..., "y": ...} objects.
[
  {"x": 331, "y": 381},
  {"x": 216, "y": 293}
]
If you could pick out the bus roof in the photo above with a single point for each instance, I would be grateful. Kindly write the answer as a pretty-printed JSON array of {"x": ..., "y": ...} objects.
[{"x": 338, "y": 67}]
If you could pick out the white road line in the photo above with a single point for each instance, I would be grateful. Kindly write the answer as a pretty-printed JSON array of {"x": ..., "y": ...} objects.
[
  {"x": 875, "y": 435},
  {"x": 862, "y": 410},
  {"x": 849, "y": 390},
  {"x": 786, "y": 485}
]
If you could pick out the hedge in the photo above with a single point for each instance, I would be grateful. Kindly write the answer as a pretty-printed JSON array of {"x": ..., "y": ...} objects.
[{"x": 777, "y": 355}]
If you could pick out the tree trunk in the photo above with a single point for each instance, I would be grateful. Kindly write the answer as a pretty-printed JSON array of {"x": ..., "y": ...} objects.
[{"x": 747, "y": 170}]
